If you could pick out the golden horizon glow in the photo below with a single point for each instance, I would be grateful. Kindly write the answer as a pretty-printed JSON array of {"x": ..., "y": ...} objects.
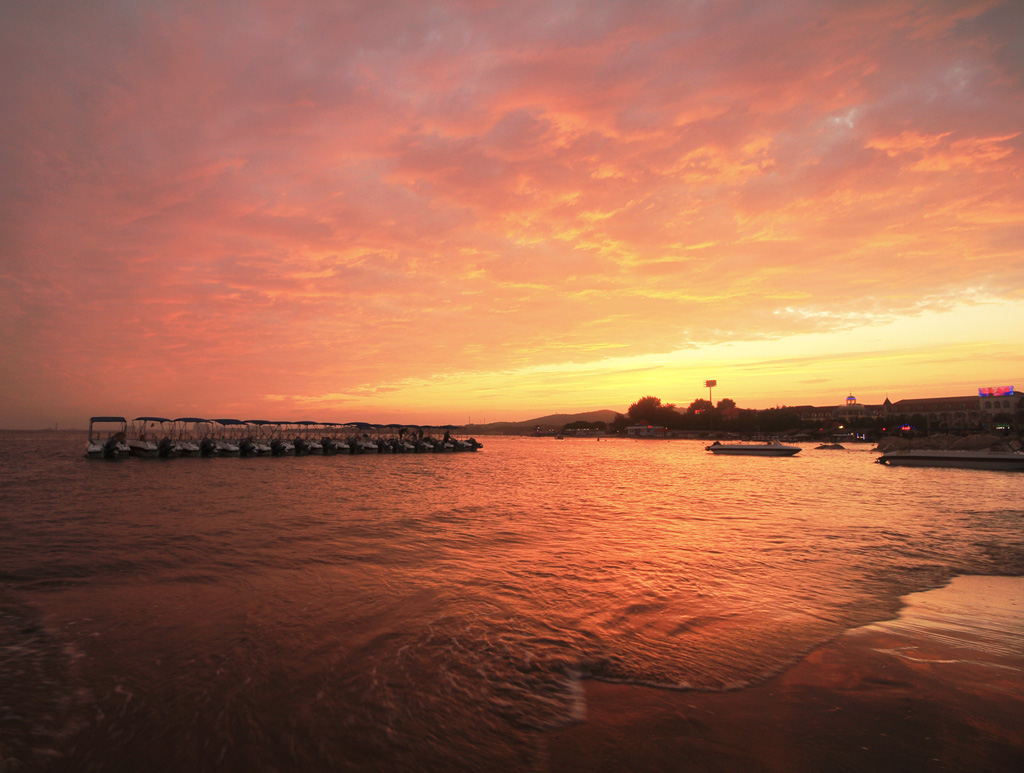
[{"x": 425, "y": 212}]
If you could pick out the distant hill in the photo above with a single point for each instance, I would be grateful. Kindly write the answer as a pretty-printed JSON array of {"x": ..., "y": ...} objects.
[{"x": 554, "y": 421}]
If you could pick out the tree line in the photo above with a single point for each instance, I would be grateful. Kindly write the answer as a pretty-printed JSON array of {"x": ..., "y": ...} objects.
[{"x": 702, "y": 414}]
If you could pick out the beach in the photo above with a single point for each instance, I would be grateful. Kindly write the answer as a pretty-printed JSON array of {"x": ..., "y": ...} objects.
[{"x": 939, "y": 688}]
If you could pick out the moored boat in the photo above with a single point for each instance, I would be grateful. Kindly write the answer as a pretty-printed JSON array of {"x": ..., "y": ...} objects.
[
  {"x": 186, "y": 435},
  {"x": 308, "y": 437},
  {"x": 977, "y": 460},
  {"x": 226, "y": 436},
  {"x": 279, "y": 444},
  {"x": 107, "y": 442},
  {"x": 260, "y": 433},
  {"x": 150, "y": 437},
  {"x": 771, "y": 448},
  {"x": 361, "y": 442},
  {"x": 154, "y": 437}
]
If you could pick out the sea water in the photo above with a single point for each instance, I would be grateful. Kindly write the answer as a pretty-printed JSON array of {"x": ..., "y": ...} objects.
[{"x": 437, "y": 611}]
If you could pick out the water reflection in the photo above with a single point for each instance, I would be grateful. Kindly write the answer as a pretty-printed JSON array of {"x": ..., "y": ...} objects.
[{"x": 345, "y": 611}]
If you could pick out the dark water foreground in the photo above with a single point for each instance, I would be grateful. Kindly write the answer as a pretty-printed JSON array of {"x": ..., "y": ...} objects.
[{"x": 439, "y": 612}]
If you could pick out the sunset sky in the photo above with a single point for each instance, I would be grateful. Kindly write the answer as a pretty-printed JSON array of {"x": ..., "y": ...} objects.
[{"x": 450, "y": 211}]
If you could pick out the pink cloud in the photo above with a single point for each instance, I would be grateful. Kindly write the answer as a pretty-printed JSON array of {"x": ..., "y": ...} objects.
[{"x": 340, "y": 195}]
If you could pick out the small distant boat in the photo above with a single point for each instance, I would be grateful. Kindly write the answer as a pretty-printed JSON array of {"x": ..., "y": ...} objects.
[
  {"x": 977, "y": 460},
  {"x": 771, "y": 448},
  {"x": 109, "y": 442}
]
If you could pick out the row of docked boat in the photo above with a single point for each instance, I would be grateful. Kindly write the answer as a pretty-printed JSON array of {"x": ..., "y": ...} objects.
[{"x": 114, "y": 437}]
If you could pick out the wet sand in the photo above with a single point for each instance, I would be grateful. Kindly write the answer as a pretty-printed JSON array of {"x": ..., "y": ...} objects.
[{"x": 941, "y": 688}]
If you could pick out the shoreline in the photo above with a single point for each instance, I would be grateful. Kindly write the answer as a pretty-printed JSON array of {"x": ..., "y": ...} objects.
[{"x": 940, "y": 687}]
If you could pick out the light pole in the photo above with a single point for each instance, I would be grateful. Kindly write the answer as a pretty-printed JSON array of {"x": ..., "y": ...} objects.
[{"x": 709, "y": 384}]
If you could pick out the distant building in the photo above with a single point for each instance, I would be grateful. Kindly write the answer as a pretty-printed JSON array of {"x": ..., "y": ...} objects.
[
  {"x": 964, "y": 412},
  {"x": 836, "y": 415},
  {"x": 854, "y": 411},
  {"x": 646, "y": 430},
  {"x": 941, "y": 412},
  {"x": 992, "y": 407}
]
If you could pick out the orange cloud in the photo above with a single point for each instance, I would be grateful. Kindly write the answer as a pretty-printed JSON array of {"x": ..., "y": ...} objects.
[{"x": 204, "y": 206}]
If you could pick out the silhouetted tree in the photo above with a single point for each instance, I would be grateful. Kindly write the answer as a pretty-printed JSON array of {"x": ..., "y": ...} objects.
[
  {"x": 600, "y": 426},
  {"x": 777, "y": 419},
  {"x": 699, "y": 406},
  {"x": 651, "y": 410},
  {"x": 578, "y": 425}
]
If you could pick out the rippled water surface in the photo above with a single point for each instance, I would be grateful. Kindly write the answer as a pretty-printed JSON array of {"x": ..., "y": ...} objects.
[{"x": 437, "y": 611}]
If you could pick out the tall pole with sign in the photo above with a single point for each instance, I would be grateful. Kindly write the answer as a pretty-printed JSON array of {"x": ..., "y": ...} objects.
[{"x": 709, "y": 384}]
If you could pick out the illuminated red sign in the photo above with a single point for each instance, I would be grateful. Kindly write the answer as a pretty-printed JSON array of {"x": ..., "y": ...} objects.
[{"x": 1006, "y": 391}]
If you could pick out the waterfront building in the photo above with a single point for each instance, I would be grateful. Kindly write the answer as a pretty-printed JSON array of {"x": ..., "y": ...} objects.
[
  {"x": 836, "y": 415},
  {"x": 967, "y": 412},
  {"x": 646, "y": 430},
  {"x": 996, "y": 410},
  {"x": 941, "y": 412}
]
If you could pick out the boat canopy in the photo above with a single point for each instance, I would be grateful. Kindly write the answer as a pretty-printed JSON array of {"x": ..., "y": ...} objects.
[
  {"x": 193, "y": 419},
  {"x": 108, "y": 418},
  {"x": 150, "y": 418},
  {"x": 229, "y": 422}
]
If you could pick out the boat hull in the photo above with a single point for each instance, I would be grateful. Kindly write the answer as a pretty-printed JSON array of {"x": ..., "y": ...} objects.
[
  {"x": 752, "y": 449},
  {"x": 103, "y": 451},
  {"x": 144, "y": 449},
  {"x": 974, "y": 460}
]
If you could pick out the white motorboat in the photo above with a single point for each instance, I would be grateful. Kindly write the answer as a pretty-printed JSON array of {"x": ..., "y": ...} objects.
[
  {"x": 107, "y": 442},
  {"x": 150, "y": 437},
  {"x": 771, "y": 448},
  {"x": 153, "y": 436},
  {"x": 397, "y": 439},
  {"x": 205, "y": 435},
  {"x": 331, "y": 442},
  {"x": 261, "y": 433},
  {"x": 225, "y": 438},
  {"x": 186, "y": 435},
  {"x": 360, "y": 442},
  {"x": 275, "y": 438},
  {"x": 311, "y": 436},
  {"x": 977, "y": 460}
]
